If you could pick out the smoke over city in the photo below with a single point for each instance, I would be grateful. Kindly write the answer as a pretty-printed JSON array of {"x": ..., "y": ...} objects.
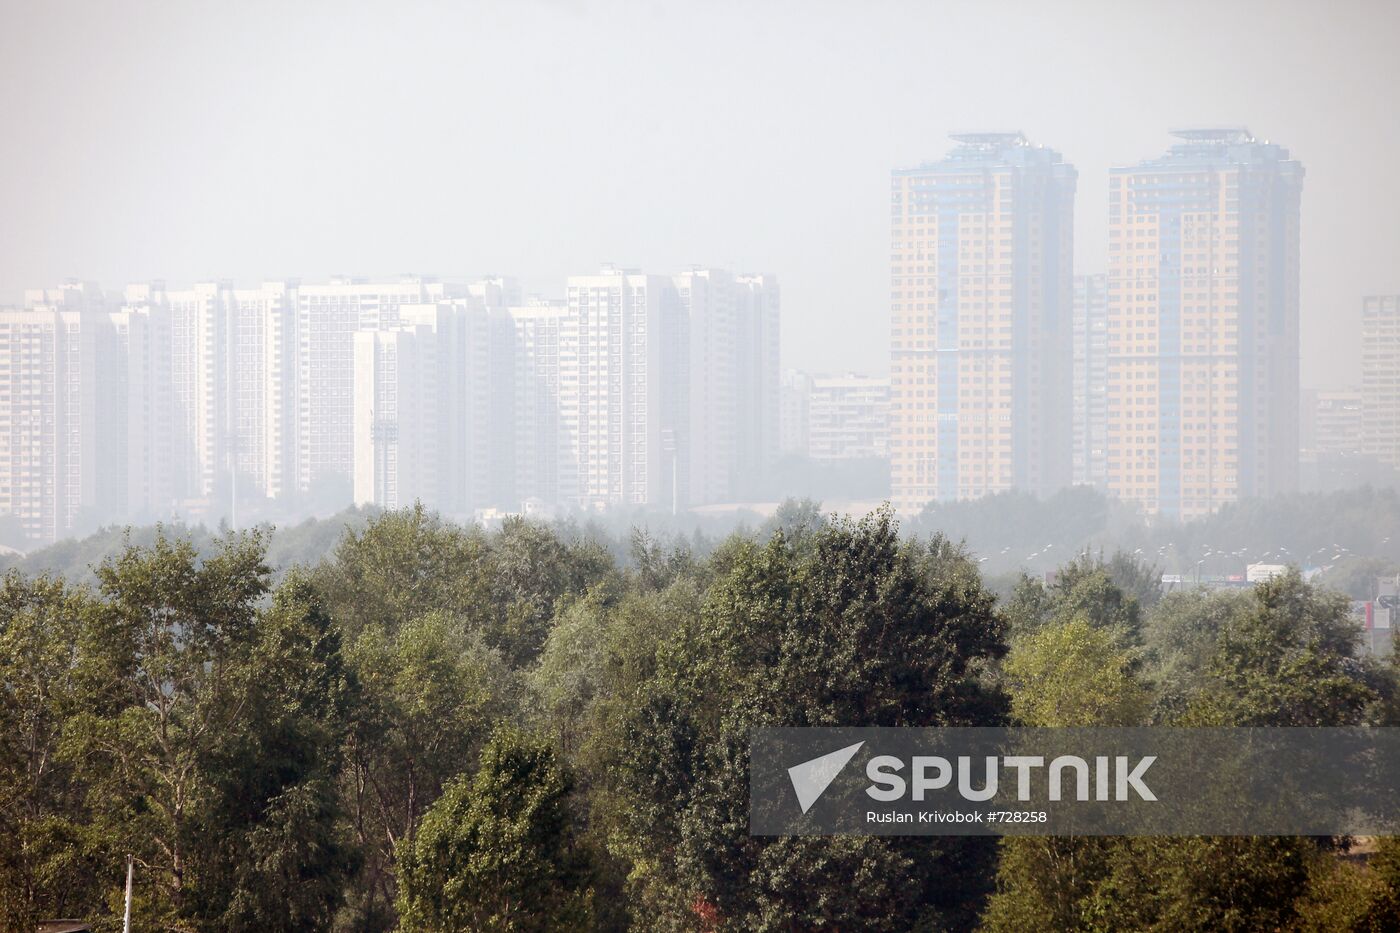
[{"x": 511, "y": 377}]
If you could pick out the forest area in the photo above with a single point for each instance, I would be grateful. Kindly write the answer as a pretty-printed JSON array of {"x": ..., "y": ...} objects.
[{"x": 434, "y": 727}]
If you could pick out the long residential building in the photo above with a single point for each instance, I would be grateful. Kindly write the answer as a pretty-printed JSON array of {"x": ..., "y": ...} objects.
[{"x": 981, "y": 261}]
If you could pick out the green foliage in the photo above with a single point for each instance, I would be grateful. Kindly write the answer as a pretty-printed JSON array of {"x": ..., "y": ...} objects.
[
  {"x": 1074, "y": 674},
  {"x": 854, "y": 626},
  {"x": 316, "y": 751},
  {"x": 498, "y": 852},
  {"x": 48, "y": 860},
  {"x": 402, "y": 566},
  {"x": 428, "y": 694},
  {"x": 1102, "y": 594},
  {"x": 1286, "y": 658}
]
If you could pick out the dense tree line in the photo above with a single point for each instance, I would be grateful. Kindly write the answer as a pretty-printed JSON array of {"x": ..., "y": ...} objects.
[{"x": 438, "y": 728}]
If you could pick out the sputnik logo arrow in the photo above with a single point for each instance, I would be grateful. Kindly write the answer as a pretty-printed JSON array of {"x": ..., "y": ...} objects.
[{"x": 811, "y": 778}]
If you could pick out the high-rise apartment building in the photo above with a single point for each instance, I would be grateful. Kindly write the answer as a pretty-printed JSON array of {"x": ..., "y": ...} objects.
[
  {"x": 216, "y": 402},
  {"x": 539, "y": 344},
  {"x": 1090, "y": 392},
  {"x": 1380, "y": 378},
  {"x": 981, "y": 264},
  {"x": 395, "y": 419},
  {"x": 1203, "y": 324},
  {"x": 1331, "y": 424},
  {"x": 327, "y": 318},
  {"x": 63, "y": 404},
  {"x": 794, "y": 412},
  {"x": 730, "y": 426},
  {"x": 423, "y": 408},
  {"x": 759, "y": 391},
  {"x": 627, "y": 387}
]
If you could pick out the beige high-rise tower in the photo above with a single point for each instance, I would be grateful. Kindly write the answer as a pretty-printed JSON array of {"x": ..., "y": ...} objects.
[
  {"x": 1203, "y": 324},
  {"x": 981, "y": 284}
]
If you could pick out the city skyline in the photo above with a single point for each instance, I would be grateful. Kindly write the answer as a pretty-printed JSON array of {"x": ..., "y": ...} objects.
[
  {"x": 244, "y": 167},
  {"x": 295, "y": 398}
]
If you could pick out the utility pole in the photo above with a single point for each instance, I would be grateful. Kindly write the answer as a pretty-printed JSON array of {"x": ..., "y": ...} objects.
[{"x": 126, "y": 917}]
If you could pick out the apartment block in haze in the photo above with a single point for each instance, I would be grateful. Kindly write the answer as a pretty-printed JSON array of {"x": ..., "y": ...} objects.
[
  {"x": 216, "y": 402},
  {"x": 1380, "y": 378},
  {"x": 848, "y": 417},
  {"x": 1090, "y": 392},
  {"x": 63, "y": 401},
  {"x": 1203, "y": 324},
  {"x": 981, "y": 261}
]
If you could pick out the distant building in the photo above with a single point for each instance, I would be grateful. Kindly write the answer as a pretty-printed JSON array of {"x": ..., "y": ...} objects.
[
  {"x": 1090, "y": 392},
  {"x": 794, "y": 415},
  {"x": 1380, "y": 378},
  {"x": 327, "y": 318},
  {"x": 1203, "y": 324},
  {"x": 981, "y": 261},
  {"x": 636, "y": 390},
  {"x": 540, "y": 341},
  {"x": 1330, "y": 430},
  {"x": 48, "y": 418},
  {"x": 731, "y": 369},
  {"x": 1332, "y": 422},
  {"x": 421, "y": 408},
  {"x": 624, "y": 389},
  {"x": 848, "y": 417},
  {"x": 395, "y": 417}
]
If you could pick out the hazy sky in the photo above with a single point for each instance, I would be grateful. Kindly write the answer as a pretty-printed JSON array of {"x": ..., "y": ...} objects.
[{"x": 245, "y": 140}]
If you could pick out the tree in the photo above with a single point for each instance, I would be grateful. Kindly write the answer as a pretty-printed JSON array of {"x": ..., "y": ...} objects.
[
  {"x": 853, "y": 627},
  {"x": 498, "y": 851},
  {"x": 160, "y": 669},
  {"x": 1066, "y": 675},
  {"x": 208, "y": 738},
  {"x": 50, "y": 864},
  {"x": 402, "y": 566},
  {"x": 1085, "y": 588},
  {"x": 1074, "y": 674},
  {"x": 532, "y": 567},
  {"x": 272, "y": 794},
  {"x": 427, "y": 695},
  {"x": 1286, "y": 659}
]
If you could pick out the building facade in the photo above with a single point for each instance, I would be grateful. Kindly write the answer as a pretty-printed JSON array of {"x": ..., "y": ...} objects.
[
  {"x": 1090, "y": 392},
  {"x": 1380, "y": 378},
  {"x": 848, "y": 417},
  {"x": 1203, "y": 324},
  {"x": 215, "y": 402},
  {"x": 981, "y": 265}
]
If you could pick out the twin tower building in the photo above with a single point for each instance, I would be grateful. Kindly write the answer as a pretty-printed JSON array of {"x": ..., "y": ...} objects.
[{"x": 1170, "y": 382}]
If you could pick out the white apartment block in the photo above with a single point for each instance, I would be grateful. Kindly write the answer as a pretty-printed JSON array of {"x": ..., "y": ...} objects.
[
  {"x": 794, "y": 409},
  {"x": 395, "y": 417},
  {"x": 327, "y": 318},
  {"x": 759, "y": 373},
  {"x": 63, "y": 444},
  {"x": 539, "y": 339},
  {"x": 731, "y": 425},
  {"x": 624, "y": 444},
  {"x": 635, "y": 390}
]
